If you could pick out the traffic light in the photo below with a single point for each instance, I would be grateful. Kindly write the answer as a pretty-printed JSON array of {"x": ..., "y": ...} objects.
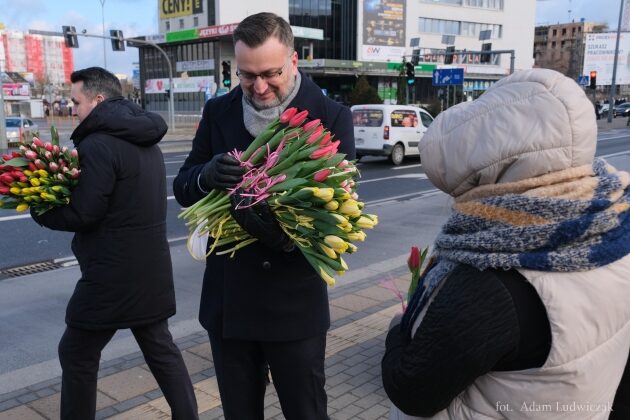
[
  {"x": 227, "y": 73},
  {"x": 448, "y": 58},
  {"x": 118, "y": 44},
  {"x": 415, "y": 56},
  {"x": 593, "y": 83},
  {"x": 485, "y": 58},
  {"x": 411, "y": 73},
  {"x": 70, "y": 36}
]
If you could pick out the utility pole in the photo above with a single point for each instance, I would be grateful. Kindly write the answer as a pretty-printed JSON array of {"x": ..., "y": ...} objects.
[
  {"x": 104, "y": 39},
  {"x": 613, "y": 88}
]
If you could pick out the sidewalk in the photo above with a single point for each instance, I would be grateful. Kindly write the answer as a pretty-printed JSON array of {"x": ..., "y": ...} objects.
[
  {"x": 360, "y": 307},
  {"x": 617, "y": 123}
]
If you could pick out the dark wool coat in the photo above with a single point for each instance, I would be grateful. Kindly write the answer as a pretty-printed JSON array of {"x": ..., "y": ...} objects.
[
  {"x": 260, "y": 294},
  {"x": 118, "y": 211}
]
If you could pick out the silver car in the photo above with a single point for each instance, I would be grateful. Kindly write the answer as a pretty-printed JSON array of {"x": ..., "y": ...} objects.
[{"x": 21, "y": 129}]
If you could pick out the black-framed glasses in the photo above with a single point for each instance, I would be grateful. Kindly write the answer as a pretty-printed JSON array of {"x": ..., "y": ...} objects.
[{"x": 269, "y": 75}]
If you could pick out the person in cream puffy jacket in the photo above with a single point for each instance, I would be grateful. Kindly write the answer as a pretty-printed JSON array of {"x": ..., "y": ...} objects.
[{"x": 523, "y": 311}]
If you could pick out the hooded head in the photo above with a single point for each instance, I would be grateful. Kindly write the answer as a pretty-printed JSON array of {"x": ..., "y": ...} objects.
[{"x": 528, "y": 124}]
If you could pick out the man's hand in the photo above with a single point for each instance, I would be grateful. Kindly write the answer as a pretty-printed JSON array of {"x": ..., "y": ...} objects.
[
  {"x": 258, "y": 220},
  {"x": 222, "y": 172}
]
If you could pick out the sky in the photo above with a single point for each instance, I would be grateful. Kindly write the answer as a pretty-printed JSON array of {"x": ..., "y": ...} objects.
[{"x": 139, "y": 17}]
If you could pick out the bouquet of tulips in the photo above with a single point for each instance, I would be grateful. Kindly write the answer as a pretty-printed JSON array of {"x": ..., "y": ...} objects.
[
  {"x": 311, "y": 189},
  {"x": 40, "y": 175}
]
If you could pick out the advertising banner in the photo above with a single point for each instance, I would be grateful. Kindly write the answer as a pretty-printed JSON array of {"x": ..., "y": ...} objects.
[
  {"x": 190, "y": 84},
  {"x": 16, "y": 91},
  {"x": 177, "y": 8},
  {"x": 599, "y": 56},
  {"x": 383, "y": 30}
]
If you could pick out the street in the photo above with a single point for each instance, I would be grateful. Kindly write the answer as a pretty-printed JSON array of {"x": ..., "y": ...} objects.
[{"x": 32, "y": 307}]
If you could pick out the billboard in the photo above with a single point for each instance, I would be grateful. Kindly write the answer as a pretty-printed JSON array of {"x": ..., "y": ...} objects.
[
  {"x": 177, "y": 8},
  {"x": 599, "y": 56},
  {"x": 383, "y": 30}
]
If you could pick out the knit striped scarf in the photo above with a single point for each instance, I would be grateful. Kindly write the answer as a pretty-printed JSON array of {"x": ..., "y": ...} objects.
[{"x": 571, "y": 220}]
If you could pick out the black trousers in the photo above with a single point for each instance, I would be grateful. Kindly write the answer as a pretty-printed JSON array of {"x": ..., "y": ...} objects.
[
  {"x": 297, "y": 369},
  {"x": 80, "y": 352}
]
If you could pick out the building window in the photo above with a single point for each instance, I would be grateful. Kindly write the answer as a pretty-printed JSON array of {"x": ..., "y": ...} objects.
[
  {"x": 485, "y": 4},
  {"x": 454, "y": 2},
  {"x": 553, "y": 44},
  {"x": 453, "y": 27},
  {"x": 573, "y": 31},
  {"x": 579, "y": 29},
  {"x": 167, "y": 25},
  {"x": 181, "y": 24},
  {"x": 562, "y": 44},
  {"x": 564, "y": 31},
  {"x": 196, "y": 21},
  {"x": 555, "y": 32}
]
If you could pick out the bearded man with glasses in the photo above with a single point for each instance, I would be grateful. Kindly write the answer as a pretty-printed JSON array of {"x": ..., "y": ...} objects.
[{"x": 266, "y": 305}]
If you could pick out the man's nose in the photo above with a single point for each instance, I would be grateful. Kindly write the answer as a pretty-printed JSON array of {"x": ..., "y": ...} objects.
[{"x": 260, "y": 85}]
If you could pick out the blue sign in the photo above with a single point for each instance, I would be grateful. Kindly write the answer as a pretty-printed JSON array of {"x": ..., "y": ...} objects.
[
  {"x": 446, "y": 77},
  {"x": 583, "y": 80}
]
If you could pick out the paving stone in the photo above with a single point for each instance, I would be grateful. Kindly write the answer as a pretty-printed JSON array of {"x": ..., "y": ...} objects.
[
  {"x": 21, "y": 413},
  {"x": 272, "y": 411},
  {"x": 342, "y": 401},
  {"x": 370, "y": 400},
  {"x": 27, "y": 398},
  {"x": 353, "y": 303},
  {"x": 8, "y": 404},
  {"x": 108, "y": 371},
  {"x": 377, "y": 293},
  {"x": 13, "y": 394},
  {"x": 337, "y": 379},
  {"x": 202, "y": 350},
  {"x": 339, "y": 390},
  {"x": 367, "y": 388},
  {"x": 155, "y": 394},
  {"x": 349, "y": 412},
  {"x": 375, "y": 412},
  {"x": 42, "y": 385},
  {"x": 355, "y": 359},
  {"x": 129, "y": 404},
  {"x": 105, "y": 413},
  {"x": 359, "y": 368},
  {"x": 360, "y": 379},
  {"x": 45, "y": 392},
  {"x": 335, "y": 369},
  {"x": 214, "y": 414},
  {"x": 49, "y": 406},
  {"x": 127, "y": 384},
  {"x": 194, "y": 363},
  {"x": 338, "y": 313}
]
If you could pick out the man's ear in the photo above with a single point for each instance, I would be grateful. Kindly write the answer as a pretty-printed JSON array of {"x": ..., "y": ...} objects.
[{"x": 99, "y": 98}]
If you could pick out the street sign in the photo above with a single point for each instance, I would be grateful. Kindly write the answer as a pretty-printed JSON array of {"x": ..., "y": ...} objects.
[
  {"x": 583, "y": 80},
  {"x": 446, "y": 77}
]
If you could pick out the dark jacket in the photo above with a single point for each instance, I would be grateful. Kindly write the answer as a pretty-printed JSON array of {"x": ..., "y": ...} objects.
[
  {"x": 259, "y": 294},
  {"x": 118, "y": 211}
]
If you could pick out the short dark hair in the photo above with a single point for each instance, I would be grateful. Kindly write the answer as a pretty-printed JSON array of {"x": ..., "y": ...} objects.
[
  {"x": 97, "y": 80},
  {"x": 254, "y": 30}
]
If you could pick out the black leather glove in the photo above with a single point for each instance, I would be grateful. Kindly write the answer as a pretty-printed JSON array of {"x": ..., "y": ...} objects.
[
  {"x": 258, "y": 220},
  {"x": 222, "y": 172}
]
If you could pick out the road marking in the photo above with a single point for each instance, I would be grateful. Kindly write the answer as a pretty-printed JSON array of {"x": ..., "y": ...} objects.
[
  {"x": 627, "y": 152},
  {"x": 21, "y": 216},
  {"x": 403, "y": 196},
  {"x": 416, "y": 176},
  {"x": 397, "y": 168},
  {"x": 174, "y": 161},
  {"x": 614, "y": 138}
]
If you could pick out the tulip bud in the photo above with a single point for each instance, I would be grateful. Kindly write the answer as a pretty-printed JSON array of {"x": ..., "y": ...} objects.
[
  {"x": 48, "y": 155},
  {"x": 350, "y": 208},
  {"x": 64, "y": 149},
  {"x": 322, "y": 175},
  {"x": 32, "y": 166},
  {"x": 311, "y": 124},
  {"x": 313, "y": 137},
  {"x": 4, "y": 190},
  {"x": 332, "y": 205},
  {"x": 56, "y": 149},
  {"x": 48, "y": 146},
  {"x": 326, "y": 139},
  {"x": 287, "y": 115},
  {"x": 74, "y": 153},
  {"x": 413, "y": 262},
  {"x": 330, "y": 253},
  {"x": 298, "y": 119},
  {"x": 30, "y": 155},
  {"x": 336, "y": 243},
  {"x": 53, "y": 167},
  {"x": 37, "y": 142},
  {"x": 21, "y": 207},
  {"x": 74, "y": 173}
]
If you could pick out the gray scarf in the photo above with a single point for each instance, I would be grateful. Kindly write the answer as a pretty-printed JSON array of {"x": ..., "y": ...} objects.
[{"x": 256, "y": 120}]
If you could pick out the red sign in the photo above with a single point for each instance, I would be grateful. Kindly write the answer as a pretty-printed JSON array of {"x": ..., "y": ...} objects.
[{"x": 217, "y": 30}]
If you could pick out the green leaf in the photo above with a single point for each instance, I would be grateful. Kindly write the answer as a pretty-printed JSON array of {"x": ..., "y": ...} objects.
[
  {"x": 288, "y": 184},
  {"x": 335, "y": 160},
  {"x": 54, "y": 134},
  {"x": 17, "y": 162}
]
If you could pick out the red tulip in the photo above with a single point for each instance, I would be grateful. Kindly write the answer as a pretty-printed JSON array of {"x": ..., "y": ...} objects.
[
  {"x": 413, "y": 262},
  {"x": 313, "y": 138},
  {"x": 311, "y": 124},
  {"x": 32, "y": 166},
  {"x": 4, "y": 190},
  {"x": 287, "y": 115},
  {"x": 48, "y": 146},
  {"x": 321, "y": 176},
  {"x": 298, "y": 119},
  {"x": 37, "y": 142},
  {"x": 326, "y": 139}
]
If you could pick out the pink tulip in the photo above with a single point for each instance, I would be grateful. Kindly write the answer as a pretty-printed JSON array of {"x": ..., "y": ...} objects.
[
  {"x": 30, "y": 155},
  {"x": 313, "y": 138},
  {"x": 74, "y": 153},
  {"x": 287, "y": 115},
  {"x": 298, "y": 119},
  {"x": 61, "y": 177},
  {"x": 64, "y": 149},
  {"x": 39, "y": 164},
  {"x": 342, "y": 164},
  {"x": 321, "y": 152},
  {"x": 32, "y": 166},
  {"x": 321, "y": 176},
  {"x": 37, "y": 142},
  {"x": 53, "y": 166},
  {"x": 74, "y": 173},
  {"x": 309, "y": 125},
  {"x": 56, "y": 149},
  {"x": 48, "y": 146},
  {"x": 326, "y": 139}
]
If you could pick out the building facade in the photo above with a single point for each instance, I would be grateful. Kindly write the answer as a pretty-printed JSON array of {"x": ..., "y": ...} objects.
[
  {"x": 561, "y": 46},
  {"x": 44, "y": 57},
  {"x": 339, "y": 40}
]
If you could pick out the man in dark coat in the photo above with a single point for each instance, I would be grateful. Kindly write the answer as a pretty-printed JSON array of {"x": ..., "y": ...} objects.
[
  {"x": 266, "y": 304},
  {"x": 118, "y": 211}
]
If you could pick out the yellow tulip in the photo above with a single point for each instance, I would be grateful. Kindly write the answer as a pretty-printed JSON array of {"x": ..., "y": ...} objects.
[
  {"x": 365, "y": 223},
  {"x": 357, "y": 236},
  {"x": 350, "y": 208},
  {"x": 27, "y": 173},
  {"x": 328, "y": 279},
  {"x": 325, "y": 194},
  {"x": 332, "y": 205},
  {"x": 343, "y": 264},
  {"x": 328, "y": 251},
  {"x": 34, "y": 182},
  {"x": 21, "y": 207},
  {"x": 42, "y": 172},
  {"x": 15, "y": 190},
  {"x": 336, "y": 243},
  {"x": 352, "y": 248}
]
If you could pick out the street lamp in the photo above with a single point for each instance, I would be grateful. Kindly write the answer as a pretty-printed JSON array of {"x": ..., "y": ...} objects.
[
  {"x": 611, "y": 94},
  {"x": 103, "y": 21}
]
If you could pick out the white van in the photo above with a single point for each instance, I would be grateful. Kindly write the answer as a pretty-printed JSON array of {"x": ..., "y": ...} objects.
[{"x": 389, "y": 130}]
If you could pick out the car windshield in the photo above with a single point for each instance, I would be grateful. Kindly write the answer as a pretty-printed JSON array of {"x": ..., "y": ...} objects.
[
  {"x": 367, "y": 118},
  {"x": 12, "y": 122}
]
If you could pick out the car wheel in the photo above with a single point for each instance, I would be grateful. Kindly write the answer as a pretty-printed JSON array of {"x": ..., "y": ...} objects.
[{"x": 398, "y": 154}]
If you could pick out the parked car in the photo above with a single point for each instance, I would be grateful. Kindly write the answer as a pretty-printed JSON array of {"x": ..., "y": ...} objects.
[
  {"x": 20, "y": 129},
  {"x": 621, "y": 109},
  {"x": 389, "y": 130}
]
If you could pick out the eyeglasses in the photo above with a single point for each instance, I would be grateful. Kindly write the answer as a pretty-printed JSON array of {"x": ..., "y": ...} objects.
[{"x": 269, "y": 75}]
